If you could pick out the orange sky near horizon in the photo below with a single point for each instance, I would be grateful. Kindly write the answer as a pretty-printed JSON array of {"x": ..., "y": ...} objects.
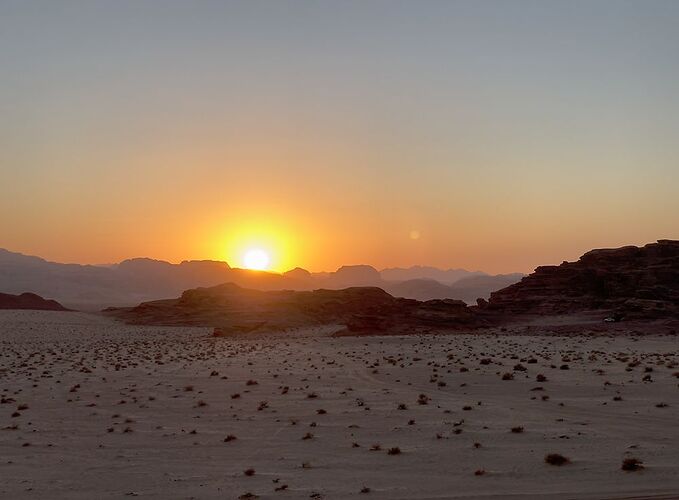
[{"x": 506, "y": 134}]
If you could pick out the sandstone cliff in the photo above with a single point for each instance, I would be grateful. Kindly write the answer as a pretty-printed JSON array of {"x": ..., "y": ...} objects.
[{"x": 635, "y": 282}]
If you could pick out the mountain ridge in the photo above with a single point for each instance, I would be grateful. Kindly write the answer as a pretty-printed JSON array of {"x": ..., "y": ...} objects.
[{"x": 141, "y": 279}]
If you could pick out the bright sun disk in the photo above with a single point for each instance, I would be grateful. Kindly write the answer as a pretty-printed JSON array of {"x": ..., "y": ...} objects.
[{"x": 256, "y": 259}]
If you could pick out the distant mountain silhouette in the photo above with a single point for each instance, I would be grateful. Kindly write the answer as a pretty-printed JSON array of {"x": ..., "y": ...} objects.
[
  {"x": 144, "y": 279},
  {"x": 298, "y": 273},
  {"x": 467, "y": 289},
  {"x": 445, "y": 276},
  {"x": 420, "y": 289},
  {"x": 347, "y": 276},
  {"x": 474, "y": 287},
  {"x": 131, "y": 281}
]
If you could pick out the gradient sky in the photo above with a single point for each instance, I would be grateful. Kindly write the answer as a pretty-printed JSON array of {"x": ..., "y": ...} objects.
[{"x": 507, "y": 134}]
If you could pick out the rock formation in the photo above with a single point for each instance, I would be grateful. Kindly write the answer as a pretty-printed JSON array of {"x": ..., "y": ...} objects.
[
  {"x": 29, "y": 301},
  {"x": 631, "y": 281},
  {"x": 233, "y": 309}
]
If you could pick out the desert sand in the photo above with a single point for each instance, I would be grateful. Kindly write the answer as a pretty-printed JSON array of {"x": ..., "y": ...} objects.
[{"x": 93, "y": 408}]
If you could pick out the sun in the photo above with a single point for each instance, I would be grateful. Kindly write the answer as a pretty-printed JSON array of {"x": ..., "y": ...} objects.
[{"x": 256, "y": 259}]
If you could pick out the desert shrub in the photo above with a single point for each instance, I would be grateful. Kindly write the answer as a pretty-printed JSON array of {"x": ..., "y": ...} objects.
[
  {"x": 632, "y": 464},
  {"x": 556, "y": 459}
]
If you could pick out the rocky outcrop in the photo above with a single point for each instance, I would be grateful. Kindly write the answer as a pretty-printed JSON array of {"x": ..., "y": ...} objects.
[
  {"x": 636, "y": 282},
  {"x": 29, "y": 301},
  {"x": 232, "y": 309}
]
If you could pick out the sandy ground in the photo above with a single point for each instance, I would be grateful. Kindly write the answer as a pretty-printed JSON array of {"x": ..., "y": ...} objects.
[{"x": 95, "y": 409}]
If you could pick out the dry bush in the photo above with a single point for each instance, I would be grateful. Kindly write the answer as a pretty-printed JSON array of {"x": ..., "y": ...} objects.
[
  {"x": 632, "y": 464},
  {"x": 556, "y": 459}
]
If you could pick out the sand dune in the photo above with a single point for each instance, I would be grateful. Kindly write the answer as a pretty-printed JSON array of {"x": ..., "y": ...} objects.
[{"x": 96, "y": 409}]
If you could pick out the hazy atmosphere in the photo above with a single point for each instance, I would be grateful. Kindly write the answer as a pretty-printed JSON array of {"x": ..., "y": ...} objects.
[
  {"x": 487, "y": 135},
  {"x": 394, "y": 250}
]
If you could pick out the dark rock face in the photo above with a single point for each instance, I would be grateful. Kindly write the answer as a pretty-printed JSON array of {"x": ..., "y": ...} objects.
[
  {"x": 636, "y": 282},
  {"x": 29, "y": 301},
  {"x": 232, "y": 309}
]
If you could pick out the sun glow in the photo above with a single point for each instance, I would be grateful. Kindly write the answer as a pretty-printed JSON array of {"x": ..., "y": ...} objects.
[
  {"x": 259, "y": 242},
  {"x": 256, "y": 259}
]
